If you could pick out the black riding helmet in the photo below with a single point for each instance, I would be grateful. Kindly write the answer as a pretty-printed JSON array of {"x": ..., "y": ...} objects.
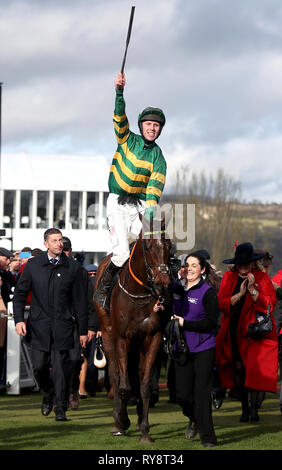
[{"x": 151, "y": 114}]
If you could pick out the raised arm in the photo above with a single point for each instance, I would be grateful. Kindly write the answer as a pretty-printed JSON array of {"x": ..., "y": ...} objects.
[
  {"x": 121, "y": 124},
  {"x": 120, "y": 81}
]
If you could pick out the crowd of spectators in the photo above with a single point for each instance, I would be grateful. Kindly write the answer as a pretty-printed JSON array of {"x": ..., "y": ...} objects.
[{"x": 243, "y": 290}]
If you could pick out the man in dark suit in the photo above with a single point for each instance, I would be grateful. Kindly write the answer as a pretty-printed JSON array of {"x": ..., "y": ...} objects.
[
  {"x": 77, "y": 355},
  {"x": 57, "y": 289}
]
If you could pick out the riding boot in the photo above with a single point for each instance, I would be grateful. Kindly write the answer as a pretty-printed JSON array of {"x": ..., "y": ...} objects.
[
  {"x": 260, "y": 398},
  {"x": 254, "y": 405},
  {"x": 239, "y": 378},
  {"x": 244, "y": 418},
  {"x": 101, "y": 293}
]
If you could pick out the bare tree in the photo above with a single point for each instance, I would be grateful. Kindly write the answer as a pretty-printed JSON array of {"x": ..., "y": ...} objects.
[{"x": 217, "y": 202}]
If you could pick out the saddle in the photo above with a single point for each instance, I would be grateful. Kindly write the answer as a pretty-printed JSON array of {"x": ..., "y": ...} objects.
[{"x": 109, "y": 293}]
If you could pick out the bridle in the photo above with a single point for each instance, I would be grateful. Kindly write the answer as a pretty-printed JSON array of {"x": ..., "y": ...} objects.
[{"x": 151, "y": 278}]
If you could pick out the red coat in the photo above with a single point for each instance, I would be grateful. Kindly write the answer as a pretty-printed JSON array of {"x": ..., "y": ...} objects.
[
  {"x": 277, "y": 278},
  {"x": 260, "y": 357}
]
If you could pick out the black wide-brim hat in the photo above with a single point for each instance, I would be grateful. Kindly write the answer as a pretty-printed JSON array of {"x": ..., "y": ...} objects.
[{"x": 244, "y": 254}]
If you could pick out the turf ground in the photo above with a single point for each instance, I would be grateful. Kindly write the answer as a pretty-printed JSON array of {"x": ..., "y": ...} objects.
[{"x": 22, "y": 427}]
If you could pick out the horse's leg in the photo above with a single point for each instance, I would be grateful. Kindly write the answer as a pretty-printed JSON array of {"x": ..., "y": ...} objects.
[
  {"x": 145, "y": 385},
  {"x": 110, "y": 350},
  {"x": 122, "y": 422},
  {"x": 114, "y": 379},
  {"x": 118, "y": 428},
  {"x": 139, "y": 406}
]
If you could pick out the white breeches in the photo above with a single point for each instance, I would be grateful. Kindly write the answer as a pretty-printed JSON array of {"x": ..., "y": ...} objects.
[{"x": 123, "y": 220}]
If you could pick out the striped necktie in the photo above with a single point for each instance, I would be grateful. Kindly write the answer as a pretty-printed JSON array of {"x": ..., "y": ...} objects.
[{"x": 53, "y": 260}]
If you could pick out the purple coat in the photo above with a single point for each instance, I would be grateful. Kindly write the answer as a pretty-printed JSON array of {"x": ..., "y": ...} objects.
[{"x": 191, "y": 308}]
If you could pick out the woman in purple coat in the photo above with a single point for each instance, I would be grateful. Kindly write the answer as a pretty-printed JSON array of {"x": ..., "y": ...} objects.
[{"x": 195, "y": 306}]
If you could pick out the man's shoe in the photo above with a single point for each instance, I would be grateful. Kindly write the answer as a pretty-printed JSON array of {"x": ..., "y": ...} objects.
[
  {"x": 46, "y": 406},
  {"x": 191, "y": 430},
  {"x": 73, "y": 401},
  {"x": 60, "y": 414}
]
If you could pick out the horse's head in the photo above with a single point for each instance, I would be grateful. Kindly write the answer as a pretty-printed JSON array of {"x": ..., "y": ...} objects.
[{"x": 156, "y": 247}]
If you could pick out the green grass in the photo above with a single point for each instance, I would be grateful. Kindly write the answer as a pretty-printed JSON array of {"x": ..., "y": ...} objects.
[{"x": 22, "y": 427}]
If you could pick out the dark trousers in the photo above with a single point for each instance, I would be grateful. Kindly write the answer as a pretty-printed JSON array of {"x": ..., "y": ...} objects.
[
  {"x": 76, "y": 359},
  {"x": 193, "y": 378},
  {"x": 52, "y": 371}
]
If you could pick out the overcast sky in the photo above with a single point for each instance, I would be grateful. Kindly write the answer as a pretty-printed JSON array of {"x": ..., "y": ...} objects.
[{"x": 213, "y": 66}]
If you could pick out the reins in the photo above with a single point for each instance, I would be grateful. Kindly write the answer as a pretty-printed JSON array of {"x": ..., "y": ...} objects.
[{"x": 129, "y": 266}]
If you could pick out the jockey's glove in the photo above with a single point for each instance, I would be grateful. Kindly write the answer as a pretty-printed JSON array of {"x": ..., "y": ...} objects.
[{"x": 150, "y": 212}]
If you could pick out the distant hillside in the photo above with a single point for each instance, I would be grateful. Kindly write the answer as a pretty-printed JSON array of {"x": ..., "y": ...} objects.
[
  {"x": 261, "y": 224},
  {"x": 265, "y": 212}
]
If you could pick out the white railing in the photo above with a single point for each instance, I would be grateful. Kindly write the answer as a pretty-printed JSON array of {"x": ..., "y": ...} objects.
[{"x": 19, "y": 372}]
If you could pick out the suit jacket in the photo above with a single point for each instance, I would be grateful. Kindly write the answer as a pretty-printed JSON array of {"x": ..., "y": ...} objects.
[{"x": 57, "y": 291}]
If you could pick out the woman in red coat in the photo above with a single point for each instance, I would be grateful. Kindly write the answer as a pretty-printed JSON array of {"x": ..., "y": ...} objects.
[{"x": 249, "y": 366}]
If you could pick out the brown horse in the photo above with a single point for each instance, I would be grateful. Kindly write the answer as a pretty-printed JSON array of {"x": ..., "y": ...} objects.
[{"x": 131, "y": 323}]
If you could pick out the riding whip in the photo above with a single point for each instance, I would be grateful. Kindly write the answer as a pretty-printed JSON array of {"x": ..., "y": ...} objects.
[{"x": 128, "y": 37}]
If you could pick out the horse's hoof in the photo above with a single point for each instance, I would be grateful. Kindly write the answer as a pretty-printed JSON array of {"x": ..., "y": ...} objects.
[
  {"x": 118, "y": 433},
  {"x": 146, "y": 439},
  {"x": 115, "y": 431}
]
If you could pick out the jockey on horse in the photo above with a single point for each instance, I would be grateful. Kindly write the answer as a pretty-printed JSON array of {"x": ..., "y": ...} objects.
[{"x": 136, "y": 181}]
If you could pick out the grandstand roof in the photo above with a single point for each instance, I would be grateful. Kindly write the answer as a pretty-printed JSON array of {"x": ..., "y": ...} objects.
[{"x": 56, "y": 172}]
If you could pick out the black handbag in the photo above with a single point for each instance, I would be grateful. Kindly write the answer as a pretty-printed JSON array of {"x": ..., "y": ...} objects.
[
  {"x": 174, "y": 336},
  {"x": 261, "y": 326}
]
